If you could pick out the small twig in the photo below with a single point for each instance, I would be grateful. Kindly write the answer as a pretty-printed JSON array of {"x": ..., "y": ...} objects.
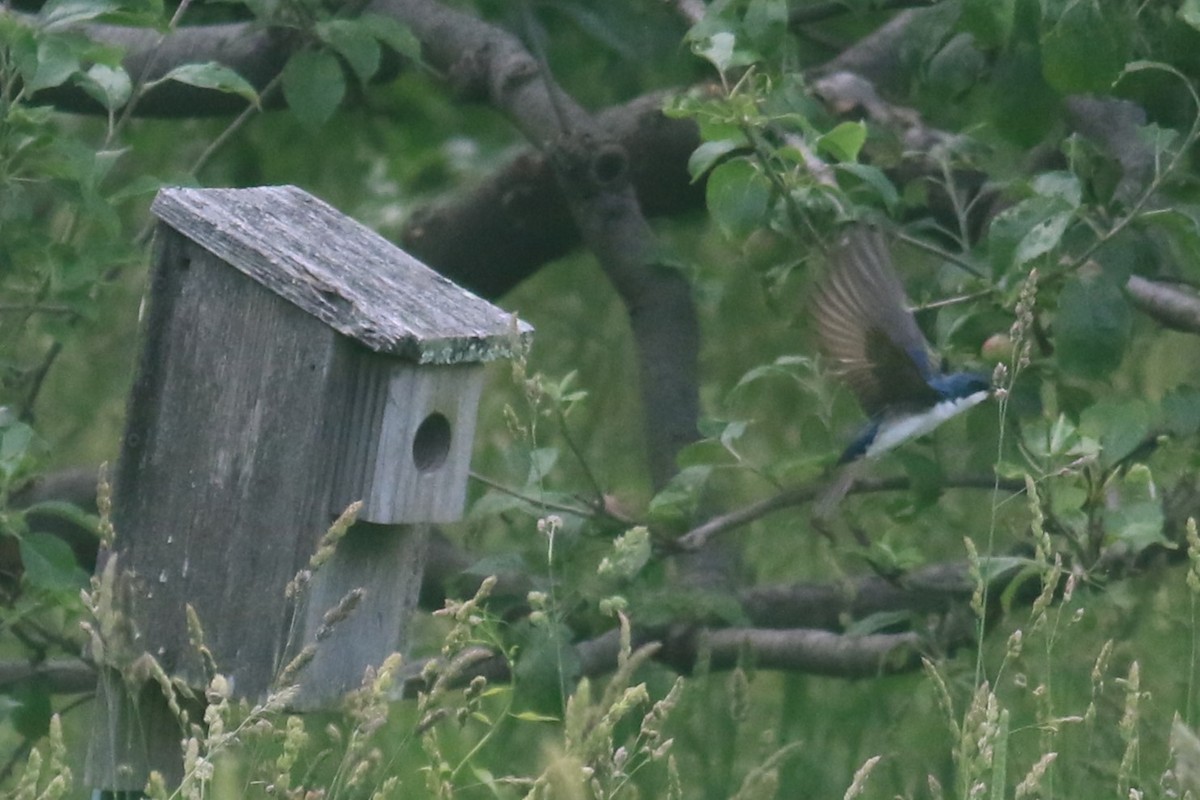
[
  {"x": 573, "y": 446},
  {"x": 38, "y": 378},
  {"x": 140, "y": 81},
  {"x": 806, "y": 493},
  {"x": 952, "y": 301},
  {"x": 586, "y": 513},
  {"x": 217, "y": 143},
  {"x": 236, "y": 125},
  {"x": 1160, "y": 177},
  {"x": 929, "y": 247}
]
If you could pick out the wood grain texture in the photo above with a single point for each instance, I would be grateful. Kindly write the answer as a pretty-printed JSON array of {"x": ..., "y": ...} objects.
[
  {"x": 400, "y": 472},
  {"x": 134, "y": 732},
  {"x": 385, "y": 562},
  {"x": 293, "y": 362},
  {"x": 300, "y": 248},
  {"x": 222, "y": 488}
]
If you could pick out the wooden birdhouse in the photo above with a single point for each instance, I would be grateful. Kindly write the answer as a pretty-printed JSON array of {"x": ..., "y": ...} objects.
[{"x": 293, "y": 362}]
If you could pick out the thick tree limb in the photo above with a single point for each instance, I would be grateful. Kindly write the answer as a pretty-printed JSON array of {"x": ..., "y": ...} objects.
[
  {"x": 591, "y": 167},
  {"x": 257, "y": 54},
  {"x": 59, "y": 676},
  {"x": 815, "y": 652},
  {"x": 517, "y": 217},
  {"x": 592, "y": 171},
  {"x": 1171, "y": 305},
  {"x": 932, "y": 589}
]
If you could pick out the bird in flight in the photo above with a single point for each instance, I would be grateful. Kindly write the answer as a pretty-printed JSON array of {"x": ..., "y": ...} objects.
[{"x": 868, "y": 333}]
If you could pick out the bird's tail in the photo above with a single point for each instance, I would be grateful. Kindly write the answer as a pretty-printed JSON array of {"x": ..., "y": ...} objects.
[{"x": 831, "y": 496}]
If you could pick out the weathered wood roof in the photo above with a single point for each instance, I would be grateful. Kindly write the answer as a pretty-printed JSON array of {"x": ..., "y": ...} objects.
[{"x": 343, "y": 273}]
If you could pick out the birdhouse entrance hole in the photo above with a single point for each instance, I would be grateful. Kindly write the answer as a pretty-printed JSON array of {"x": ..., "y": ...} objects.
[{"x": 432, "y": 442}]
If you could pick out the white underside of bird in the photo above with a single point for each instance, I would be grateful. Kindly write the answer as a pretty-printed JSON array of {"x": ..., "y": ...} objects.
[{"x": 898, "y": 429}]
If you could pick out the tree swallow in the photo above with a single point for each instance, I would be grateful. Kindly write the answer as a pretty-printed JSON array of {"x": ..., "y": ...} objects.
[{"x": 869, "y": 334}]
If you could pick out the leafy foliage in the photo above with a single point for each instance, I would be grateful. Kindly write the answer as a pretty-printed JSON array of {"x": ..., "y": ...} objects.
[{"x": 1026, "y": 238}]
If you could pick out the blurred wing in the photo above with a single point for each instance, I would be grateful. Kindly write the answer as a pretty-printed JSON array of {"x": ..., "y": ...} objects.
[{"x": 867, "y": 331}]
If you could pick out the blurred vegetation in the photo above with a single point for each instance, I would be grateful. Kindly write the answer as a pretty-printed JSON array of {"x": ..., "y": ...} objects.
[{"x": 1089, "y": 691}]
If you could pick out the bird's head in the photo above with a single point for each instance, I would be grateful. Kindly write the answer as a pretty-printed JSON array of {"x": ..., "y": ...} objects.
[{"x": 956, "y": 385}]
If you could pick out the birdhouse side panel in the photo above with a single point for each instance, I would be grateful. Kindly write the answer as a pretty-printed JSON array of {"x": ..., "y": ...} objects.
[{"x": 222, "y": 488}]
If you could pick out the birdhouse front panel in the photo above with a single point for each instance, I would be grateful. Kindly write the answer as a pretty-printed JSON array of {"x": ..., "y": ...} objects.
[{"x": 406, "y": 449}]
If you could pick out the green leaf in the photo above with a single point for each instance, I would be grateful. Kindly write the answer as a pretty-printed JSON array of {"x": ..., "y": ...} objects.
[
  {"x": 766, "y": 23},
  {"x": 782, "y": 367},
  {"x": 313, "y": 85},
  {"x": 533, "y": 716},
  {"x": 57, "y": 61},
  {"x": 675, "y": 503},
  {"x": 395, "y": 34},
  {"x": 1181, "y": 410},
  {"x": 1140, "y": 525},
  {"x": 1189, "y": 12},
  {"x": 1092, "y": 325},
  {"x": 1119, "y": 425},
  {"x": 956, "y": 68},
  {"x": 1087, "y": 48},
  {"x": 717, "y": 49},
  {"x": 1022, "y": 107},
  {"x": 925, "y": 474},
  {"x": 708, "y": 154},
  {"x": 541, "y": 462},
  {"x": 798, "y": 469},
  {"x": 873, "y": 180},
  {"x": 211, "y": 75},
  {"x": 141, "y": 185},
  {"x": 354, "y": 41},
  {"x": 1042, "y": 238},
  {"x": 1135, "y": 516},
  {"x": 993, "y": 568},
  {"x": 69, "y": 512},
  {"x": 990, "y": 21},
  {"x": 64, "y": 13},
  {"x": 1055, "y": 441},
  {"x": 705, "y": 452},
  {"x": 16, "y": 448},
  {"x": 1062, "y": 185},
  {"x": 1029, "y": 229},
  {"x": 739, "y": 197},
  {"x": 110, "y": 87},
  {"x": 546, "y": 662},
  {"x": 50, "y": 564},
  {"x": 631, "y": 551},
  {"x": 844, "y": 142}
]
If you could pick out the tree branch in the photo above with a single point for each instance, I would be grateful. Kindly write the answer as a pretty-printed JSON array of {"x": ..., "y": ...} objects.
[
  {"x": 799, "y": 495},
  {"x": 60, "y": 675},
  {"x": 592, "y": 172},
  {"x": 257, "y": 54},
  {"x": 503, "y": 230},
  {"x": 815, "y": 652},
  {"x": 1172, "y": 306}
]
